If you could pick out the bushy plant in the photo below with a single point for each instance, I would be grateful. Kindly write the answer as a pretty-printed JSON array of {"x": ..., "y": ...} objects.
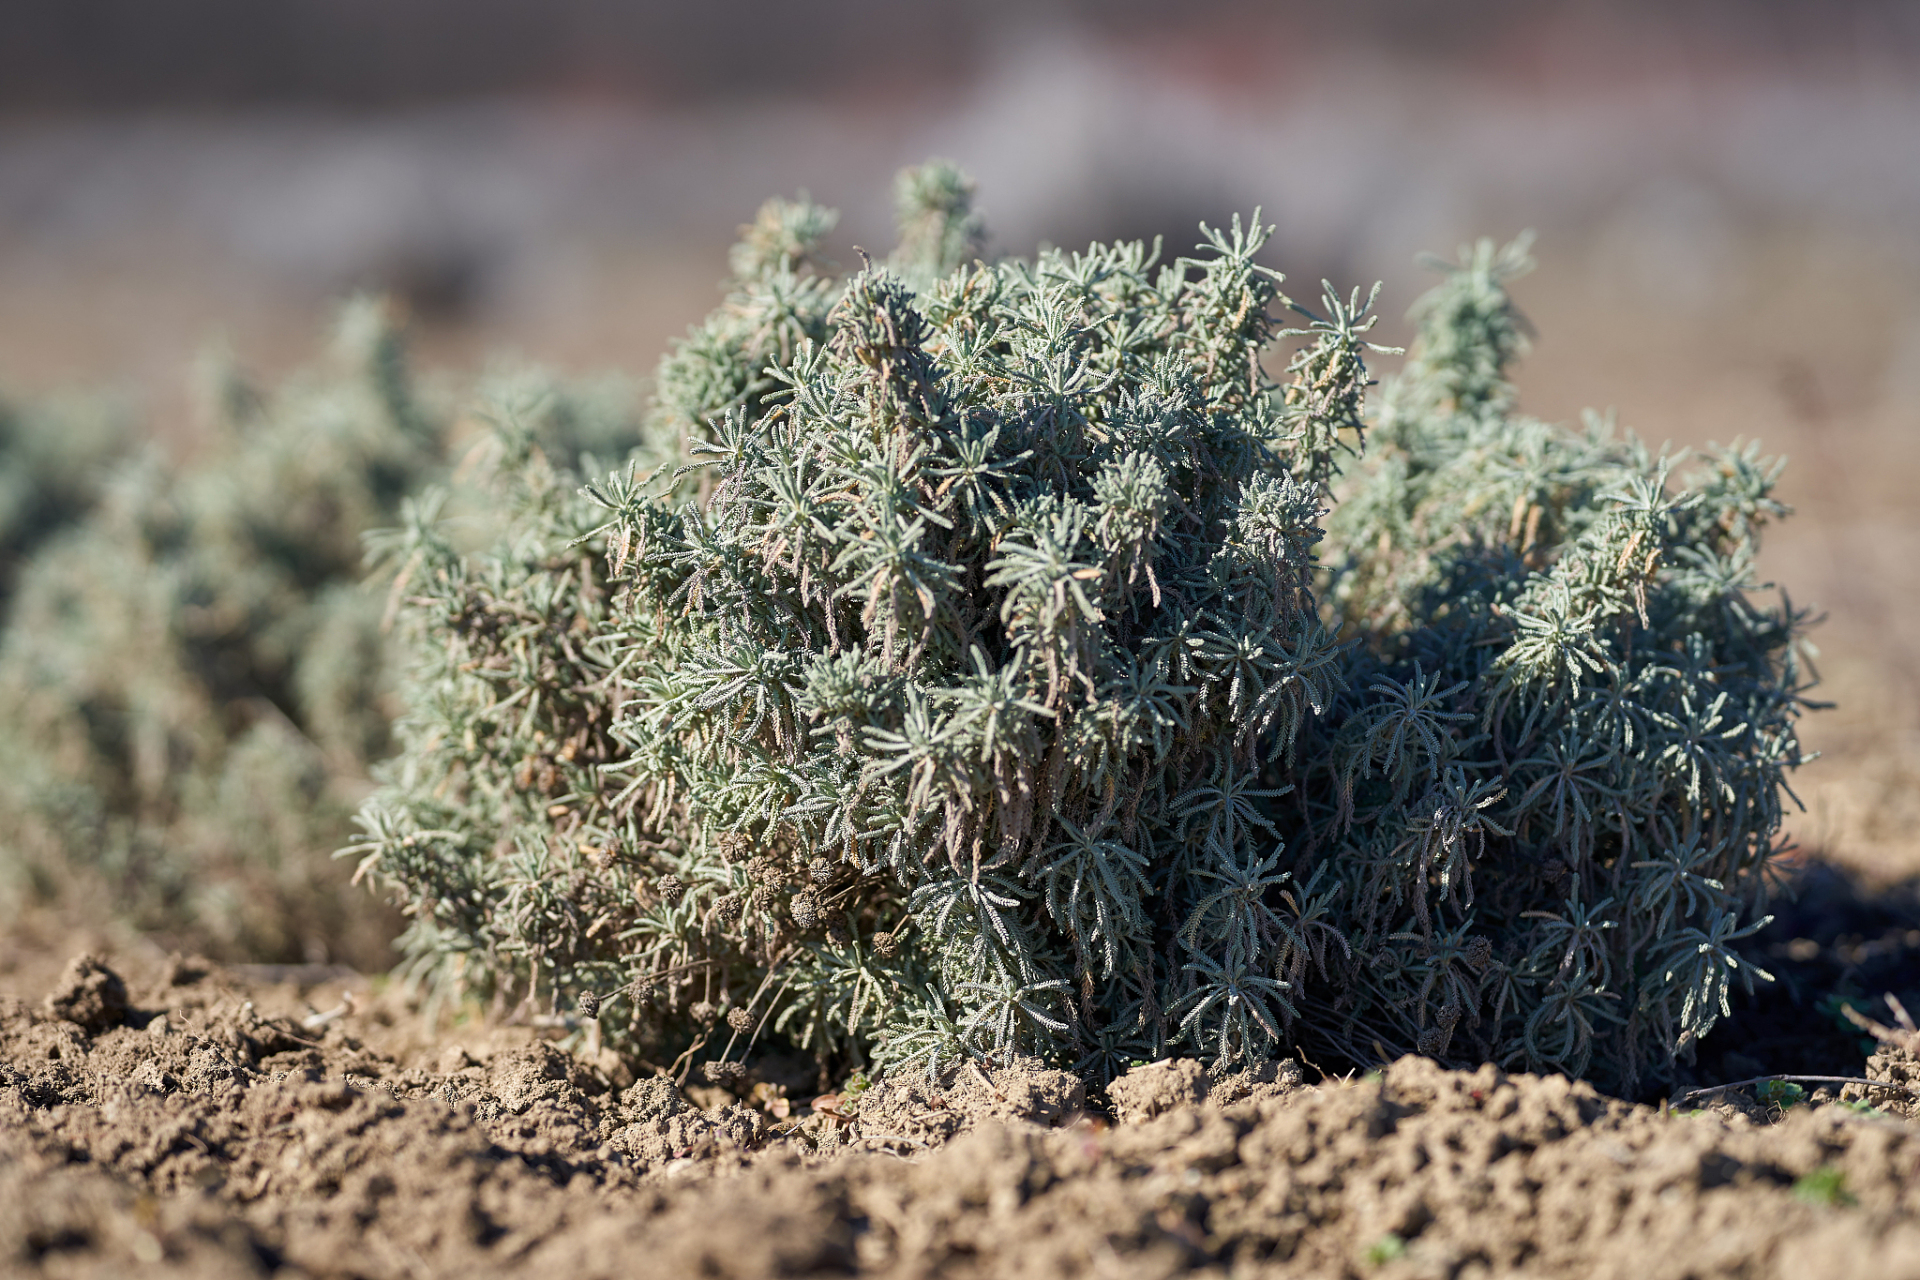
[
  {"x": 1552, "y": 791},
  {"x": 193, "y": 676},
  {"x": 973, "y": 685},
  {"x": 55, "y": 454}
]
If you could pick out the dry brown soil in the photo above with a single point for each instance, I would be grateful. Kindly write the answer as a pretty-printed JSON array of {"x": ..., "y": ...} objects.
[{"x": 166, "y": 1116}]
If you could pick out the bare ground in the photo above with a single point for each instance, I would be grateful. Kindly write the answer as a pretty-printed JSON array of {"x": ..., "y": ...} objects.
[{"x": 195, "y": 1120}]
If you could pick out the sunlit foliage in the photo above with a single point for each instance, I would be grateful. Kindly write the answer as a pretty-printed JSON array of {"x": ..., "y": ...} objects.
[{"x": 961, "y": 667}]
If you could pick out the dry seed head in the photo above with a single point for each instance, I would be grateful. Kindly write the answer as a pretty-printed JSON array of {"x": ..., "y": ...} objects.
[
  {"x": 823, "y": 871},
  {"x": 611, "y": 850},
  {"x": 703, "y": 1012},
  {"x": 722, "y": 1072},
  {"x": 886, "y": 945},
  {"x": 589, "y": 1005},
  {"x": 805, "y": 909},
  {"x": 1434, "y": 1040},
  {"x": 670, "y": 887},
  {"x": 740, "y": 1020}
]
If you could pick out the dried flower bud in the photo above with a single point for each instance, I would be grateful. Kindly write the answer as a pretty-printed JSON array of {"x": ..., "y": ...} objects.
[
  {"x": 670, "y": 887},
  {"x": 886, "y": 945},
  {"x": 727, "y": 908},
  {"x": 735, "y": 845},
  {"x": 806, "y": 911},
  {"x": 823, "y": 871},
  {"x": 589, "y": 1005},
  {"x": 740, "y": 1020},
  {"x": 703, "y": 1012},
  {"x": 1434, "y": 1040},
  {"x": 611, "y": 850}
]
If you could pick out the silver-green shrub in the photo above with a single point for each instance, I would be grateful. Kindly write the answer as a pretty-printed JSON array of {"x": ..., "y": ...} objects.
[
  {"x": 972, "y": 686},
  {"x": 1552, "y": 791},
  {"x": 192, "y": 674},
  {"x": 55, "y": 455}
]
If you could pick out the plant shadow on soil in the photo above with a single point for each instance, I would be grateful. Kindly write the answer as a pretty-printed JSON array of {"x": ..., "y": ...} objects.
[
  {"x": 1834, "y": 939},
  {"x": 188, "y": 1119}
]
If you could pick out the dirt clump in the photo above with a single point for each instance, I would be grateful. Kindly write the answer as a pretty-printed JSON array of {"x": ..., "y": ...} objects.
[
  {"x": 217, "y": 1130},
  {"x": 1896, "y": 1065},
  {"x": 1159, "y": 1087},
  {"x": 656, "y": 1125},
  {"x": 1893, "y": 1068},
  {"x": 914, "y": 1111},
  {"x": 90, "y": 995}
]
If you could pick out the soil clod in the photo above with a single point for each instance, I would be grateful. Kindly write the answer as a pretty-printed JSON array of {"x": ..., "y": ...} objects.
[{"x": 89, "y": 995}]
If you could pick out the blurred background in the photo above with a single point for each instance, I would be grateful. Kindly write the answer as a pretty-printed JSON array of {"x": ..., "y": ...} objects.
[{"x": 1727, "y": 196}]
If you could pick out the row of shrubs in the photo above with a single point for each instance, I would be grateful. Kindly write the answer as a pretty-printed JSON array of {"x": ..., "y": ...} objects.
[{"x": 1074, "y": 657}]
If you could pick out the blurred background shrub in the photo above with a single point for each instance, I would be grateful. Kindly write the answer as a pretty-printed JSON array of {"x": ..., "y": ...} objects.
[{"x": 191, "y": 674}]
